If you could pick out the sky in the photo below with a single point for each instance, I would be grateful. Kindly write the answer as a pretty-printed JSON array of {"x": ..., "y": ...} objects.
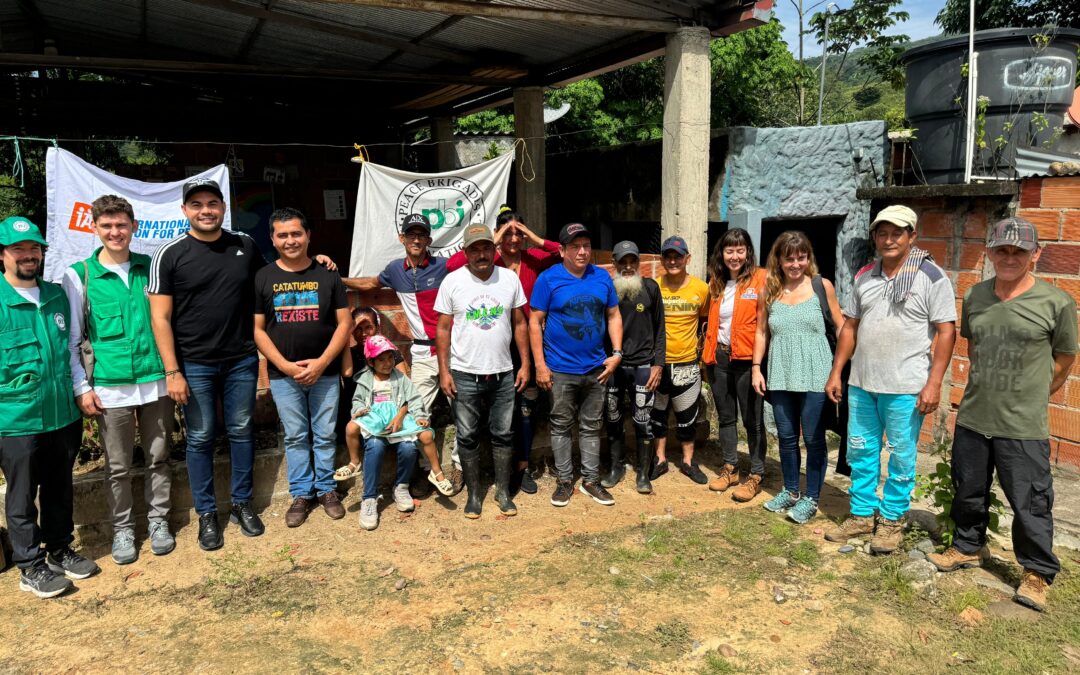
[{"x": 920, "y": 25}]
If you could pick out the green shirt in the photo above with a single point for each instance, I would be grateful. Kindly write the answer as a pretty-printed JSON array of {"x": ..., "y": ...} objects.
[
  {"x": 36, "y": 394},
  {"x": 1011, "y": 345}
]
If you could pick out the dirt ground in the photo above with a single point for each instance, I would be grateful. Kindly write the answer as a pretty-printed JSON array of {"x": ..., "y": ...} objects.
[{"x": 683, "y": 580}]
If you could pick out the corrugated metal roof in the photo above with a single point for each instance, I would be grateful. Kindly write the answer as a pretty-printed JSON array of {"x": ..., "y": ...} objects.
[{"x": 1033, "y": 162}]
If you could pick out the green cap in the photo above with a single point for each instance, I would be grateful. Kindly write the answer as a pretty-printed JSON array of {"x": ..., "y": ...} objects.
[{"x": 16, "y": 229}]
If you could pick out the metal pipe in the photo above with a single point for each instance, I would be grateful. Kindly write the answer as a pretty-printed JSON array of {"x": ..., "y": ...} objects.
[
  {"x": 824, "y": 53},
  {"x": 969, "y": 141}
]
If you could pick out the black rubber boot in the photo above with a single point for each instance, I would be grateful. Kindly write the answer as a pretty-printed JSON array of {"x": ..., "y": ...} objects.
[
  {"x": 503, "y": 459},
  {"x": 643, "y": 466},
  {"x": 618, "y": 466},
  {"x": 470, "y": 471}
]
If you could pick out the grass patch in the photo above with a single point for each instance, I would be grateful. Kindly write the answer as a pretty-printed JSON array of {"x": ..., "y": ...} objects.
[
  {"x": 674, "y": 634},
  {"x": 716, "y": 664},
  {"x": 806, "y": 553},
  {"x": 969, "y": 597}
]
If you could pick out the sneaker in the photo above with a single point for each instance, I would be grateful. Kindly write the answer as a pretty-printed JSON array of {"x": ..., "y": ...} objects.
[
  {"x": 369, "y": 514},
  {"x": 782, "y": 501},
  {"x": 297, "y": 512},
  {"x": 887, "y": 536},
  {"x": 954, "y": 559},
  {"x": 694, "y": 473},
  {"x": 210, "y": 536},
  {"x": 332, "y": 505},
  {"x": 1032, "y": 591},
  {"x": 243, "y": 515},
  {"x": 527, "y": 482},
  {"x": 750, "y": 488},
  {"x": 402, "y": 499},
  {"x": 444, "y": 486},
  {"x": 43, "y": 582},
  {"x": 71, "y": 564},
  {"x": 161, "y": 540},
  {"x": 597, "y": 492},
  {"x": 853, "y": 528},
  {"x": 803, "y": 511},
  {"x": 564, "y": 489},
  {"x": 729, "y": 476},
  {"x": 123, "y": 547}
]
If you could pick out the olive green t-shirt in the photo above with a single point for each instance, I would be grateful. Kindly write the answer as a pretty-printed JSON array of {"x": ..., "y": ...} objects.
[{"x": 1011, "y": 345}]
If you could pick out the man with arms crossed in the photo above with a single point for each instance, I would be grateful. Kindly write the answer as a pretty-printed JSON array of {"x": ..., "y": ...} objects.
[
  {"x": 899, "y": 305},
  {"x": 1021, "y": 334},
  {"x": 40, "y": 427},
  {"x": 480, "y": 314},
  {"x": 573, "y": 306},
  {"x": 302, "y": 322},
  {"x": 128, "y": 388}
]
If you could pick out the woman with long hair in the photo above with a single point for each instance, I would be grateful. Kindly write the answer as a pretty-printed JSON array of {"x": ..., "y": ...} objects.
[
  {"x": 791, "y": 327},
  {"x": 737, "y": 287}
]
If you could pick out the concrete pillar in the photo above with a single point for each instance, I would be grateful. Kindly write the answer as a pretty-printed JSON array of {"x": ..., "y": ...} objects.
[
  {"x": 531, "y": 199},
  {"x": 685, "y": 165},
  {"x": 442, "y": 133}
]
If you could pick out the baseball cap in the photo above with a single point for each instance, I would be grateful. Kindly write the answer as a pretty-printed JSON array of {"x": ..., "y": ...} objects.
[
  {"x": 623, "y": 249},
  {"x": 16, "y": 229},
  {"x": 898, "y": 215},
  {"x": 571, "y": 231},
  {"x": 378, "y": 344},
  {"x": 675, "y": 243},
  {"x": 207, "y": 184},
  {"x": 415, "y": 220},
  {"x": 1014, "y": 232},
  {"x": 477, "y": 232}
]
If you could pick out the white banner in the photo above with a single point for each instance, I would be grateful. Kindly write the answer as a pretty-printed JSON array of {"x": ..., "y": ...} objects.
[
  {"x": 72, "y": 184},
  {"x": 449, "y": 200}
]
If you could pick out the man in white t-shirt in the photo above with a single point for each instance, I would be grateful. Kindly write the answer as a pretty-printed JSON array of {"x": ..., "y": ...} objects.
[{"x": 480, "y": 313}]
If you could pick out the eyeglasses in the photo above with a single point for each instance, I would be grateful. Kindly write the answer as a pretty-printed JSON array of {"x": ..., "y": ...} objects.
[{"x": 414, "y": 236}]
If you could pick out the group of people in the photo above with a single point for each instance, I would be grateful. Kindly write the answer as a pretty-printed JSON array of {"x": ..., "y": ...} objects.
[{"x": 510, "y": 317}]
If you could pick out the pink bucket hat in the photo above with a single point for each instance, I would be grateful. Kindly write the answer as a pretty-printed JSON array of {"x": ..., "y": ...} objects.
[{"x": 378, "y": 344}]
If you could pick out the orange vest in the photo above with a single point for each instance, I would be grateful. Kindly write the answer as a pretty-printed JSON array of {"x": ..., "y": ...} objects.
[{"x": 743, "y": 321}]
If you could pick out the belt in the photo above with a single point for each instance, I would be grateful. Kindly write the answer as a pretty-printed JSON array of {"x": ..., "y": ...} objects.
[
  {"x": 492, "y": 377},
  {"x": 424, "y": 343},
  {"x": 720, "y": 346}
]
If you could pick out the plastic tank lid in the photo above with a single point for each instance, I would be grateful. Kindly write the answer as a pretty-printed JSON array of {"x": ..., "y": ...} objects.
[{"x": 982, "y": 37}]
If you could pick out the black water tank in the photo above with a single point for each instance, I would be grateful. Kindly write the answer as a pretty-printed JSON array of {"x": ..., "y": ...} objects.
[{"x": 1019, "y": 75}]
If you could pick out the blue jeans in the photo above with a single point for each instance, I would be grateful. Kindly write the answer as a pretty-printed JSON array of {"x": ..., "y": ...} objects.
[
  {"x": 492, "y": 395},
  {"x": 308, "y": 415},
  {"x": 871, "y": 415},
  {"x": 792, "y": 410},
  {"x": 237, "y": 381},
  {"x": 374, "y": 450}
]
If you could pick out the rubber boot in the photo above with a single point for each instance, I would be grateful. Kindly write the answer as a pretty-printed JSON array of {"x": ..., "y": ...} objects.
[
  {"x": 644, "y": 466},
  {"x": 503, "y": 459},
  {"x": 618, "y": 466},
  {"x": 470, "y": 472}
]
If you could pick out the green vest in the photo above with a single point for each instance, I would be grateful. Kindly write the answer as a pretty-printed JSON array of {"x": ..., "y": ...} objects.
[
  {"x": 119, "y": 327},
  {"x": 36, "y": 394}
]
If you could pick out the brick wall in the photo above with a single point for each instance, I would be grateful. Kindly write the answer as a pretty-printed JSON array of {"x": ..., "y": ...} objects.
[{"x": 954, "y": 230}]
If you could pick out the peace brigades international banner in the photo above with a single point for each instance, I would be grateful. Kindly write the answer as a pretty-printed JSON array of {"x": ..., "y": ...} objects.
[
  {"x": 450, "y": 201},
  {"x": 72, "y": 184}
]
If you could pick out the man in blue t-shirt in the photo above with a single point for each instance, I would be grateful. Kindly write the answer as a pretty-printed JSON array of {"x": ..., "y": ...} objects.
[{"x": 573, "y": 305}]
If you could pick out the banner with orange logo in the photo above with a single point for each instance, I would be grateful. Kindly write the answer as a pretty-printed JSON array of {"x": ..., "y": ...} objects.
[
  {"x": 72, "y": 184},
  {"x": 450, "y": 201}
]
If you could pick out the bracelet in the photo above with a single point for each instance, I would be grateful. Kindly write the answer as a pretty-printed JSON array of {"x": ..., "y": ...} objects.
[
  {"x": 171, "y": 372},
  {"x": 755, "y": 364}
]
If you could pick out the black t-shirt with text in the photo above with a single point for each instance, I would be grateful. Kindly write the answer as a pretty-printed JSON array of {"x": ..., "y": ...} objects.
[
  {"x": 301, "y": 311},
  {"x": 211, "y": 284}
]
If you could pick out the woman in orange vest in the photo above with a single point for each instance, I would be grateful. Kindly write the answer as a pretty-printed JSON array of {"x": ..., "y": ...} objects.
[{"x": 737, "y": 286}]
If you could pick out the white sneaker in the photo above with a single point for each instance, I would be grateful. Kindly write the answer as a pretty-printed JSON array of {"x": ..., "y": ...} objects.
[
  {"x": 369, "y": 514},
  {"x": 402, "y": 498}
]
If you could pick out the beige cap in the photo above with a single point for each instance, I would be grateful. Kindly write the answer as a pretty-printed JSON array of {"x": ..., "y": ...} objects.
[
  {"x": 898, "y": 215},
  {"x": 477, "y": 232}
]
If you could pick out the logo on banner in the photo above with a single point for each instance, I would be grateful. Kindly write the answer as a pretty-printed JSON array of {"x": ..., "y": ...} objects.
[
  {"x": 81, "y": 218},
  {"x": 445, "y": 202}
]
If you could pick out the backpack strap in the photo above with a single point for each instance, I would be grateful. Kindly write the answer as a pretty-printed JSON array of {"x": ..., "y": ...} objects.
[{"x": 826, "y": 313}]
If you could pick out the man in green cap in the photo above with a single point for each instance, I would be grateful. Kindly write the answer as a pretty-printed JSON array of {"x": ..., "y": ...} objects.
[{"x": 40, "y": 428}]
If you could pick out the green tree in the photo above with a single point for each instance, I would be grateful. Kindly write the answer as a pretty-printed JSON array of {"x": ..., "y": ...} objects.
[
  {"x": 755, "y": 79},
  {"x": 953, "y": 17}
]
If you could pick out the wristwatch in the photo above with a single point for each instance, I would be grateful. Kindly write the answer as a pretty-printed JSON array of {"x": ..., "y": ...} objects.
[{"x": 616, "y": 352}]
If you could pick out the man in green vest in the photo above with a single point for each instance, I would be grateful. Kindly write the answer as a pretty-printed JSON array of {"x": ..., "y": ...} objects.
[
  {"x": 107, "y": 296},
  {"x": 40, "y": 428}
]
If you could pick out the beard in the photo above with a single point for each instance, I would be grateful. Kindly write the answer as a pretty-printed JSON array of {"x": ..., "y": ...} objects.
[
  {"x": 27, "y": 276},
  {"x": 628, "y": 287}
]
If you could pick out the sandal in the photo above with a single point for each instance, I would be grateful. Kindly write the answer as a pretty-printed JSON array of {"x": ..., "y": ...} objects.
[
  {"x": 441, "y": 484},
  {"x": 346, "y": 472}
]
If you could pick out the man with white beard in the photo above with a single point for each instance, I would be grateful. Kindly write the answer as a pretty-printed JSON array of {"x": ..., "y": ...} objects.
[{"x": 644, "y": 347}]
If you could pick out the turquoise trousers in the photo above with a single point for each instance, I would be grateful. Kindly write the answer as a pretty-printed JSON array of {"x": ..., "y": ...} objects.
[{"x": 872, "y": 415}]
